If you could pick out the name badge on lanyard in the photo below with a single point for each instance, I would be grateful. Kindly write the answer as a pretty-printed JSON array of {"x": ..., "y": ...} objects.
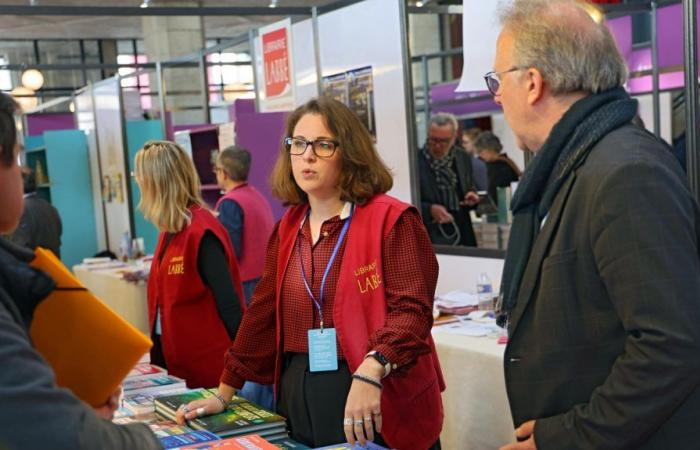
[{"x": 323, "y": 352}]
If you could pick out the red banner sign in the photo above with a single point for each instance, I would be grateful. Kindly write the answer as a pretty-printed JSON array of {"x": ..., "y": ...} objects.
[{"x": 276, "y": 62}]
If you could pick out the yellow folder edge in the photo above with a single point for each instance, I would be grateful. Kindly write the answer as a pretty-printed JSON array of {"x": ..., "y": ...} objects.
[{"x": 90, "y": 347}]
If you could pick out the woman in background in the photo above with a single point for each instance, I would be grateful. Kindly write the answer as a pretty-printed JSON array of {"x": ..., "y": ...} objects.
[
  {"x": 195, "y": 300},
  {"x": 341, "y": 319}
]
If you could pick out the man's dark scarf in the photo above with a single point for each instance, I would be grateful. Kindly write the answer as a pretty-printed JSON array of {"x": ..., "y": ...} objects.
[
  {"x": 445, "y": 177},
  {"x": 566, "y": 148}
]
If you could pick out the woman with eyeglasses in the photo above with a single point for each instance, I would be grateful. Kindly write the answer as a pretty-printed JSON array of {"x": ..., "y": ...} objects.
[
  {"x": 341, "y": 319},
  {"x": 195, "y": 300}
]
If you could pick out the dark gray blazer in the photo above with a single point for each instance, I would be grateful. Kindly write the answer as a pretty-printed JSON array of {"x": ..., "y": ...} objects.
[{"x": 604, "y": 344}]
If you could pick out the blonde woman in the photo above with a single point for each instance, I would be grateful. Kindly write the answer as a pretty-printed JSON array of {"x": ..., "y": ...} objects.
[{"x": 195, "y": 301}]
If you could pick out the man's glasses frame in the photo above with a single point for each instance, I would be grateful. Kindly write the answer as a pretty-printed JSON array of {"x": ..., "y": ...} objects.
[
  {"x": 322, "y": 148},
  {"x": 493, "y": 79}
]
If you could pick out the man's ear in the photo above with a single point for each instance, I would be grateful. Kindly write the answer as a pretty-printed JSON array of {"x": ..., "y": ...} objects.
[{"x": 535, "y": 85}]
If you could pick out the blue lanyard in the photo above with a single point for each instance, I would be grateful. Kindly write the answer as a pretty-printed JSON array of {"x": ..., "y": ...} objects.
[{"x": 319, "y": 303}]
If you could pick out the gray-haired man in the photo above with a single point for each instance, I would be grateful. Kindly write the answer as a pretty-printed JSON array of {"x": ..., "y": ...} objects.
[
  {"x": 601, "y": 284},
  {"x": 446, "y": 185}
]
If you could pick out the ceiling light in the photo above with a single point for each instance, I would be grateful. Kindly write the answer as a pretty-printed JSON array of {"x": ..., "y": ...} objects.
[
  {"x": 419, "y": 4},
  {"x": 145, "y": 4},
  {"x": 32, "y": 79},
  {"x": 273, "y": 4}
]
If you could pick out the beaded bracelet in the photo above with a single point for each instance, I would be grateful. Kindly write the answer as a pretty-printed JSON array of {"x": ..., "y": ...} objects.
[{"x": 367, "y": 379}]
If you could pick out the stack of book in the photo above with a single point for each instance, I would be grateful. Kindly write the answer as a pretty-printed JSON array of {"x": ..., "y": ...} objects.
[
  {"x": 144, "y": 382},
  {"x": 240, "y": 418}
]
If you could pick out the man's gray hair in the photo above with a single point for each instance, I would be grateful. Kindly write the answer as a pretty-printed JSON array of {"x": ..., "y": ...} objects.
[
  {"x": 443, "y": 118},
  {"x": 562, "y": 40}
]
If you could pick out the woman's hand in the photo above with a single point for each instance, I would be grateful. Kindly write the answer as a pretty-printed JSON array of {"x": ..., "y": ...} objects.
[
  {"x": 106, "y": 411},
  {"x": 362, "y": 408},
  {"x": 198, "y": 408}
]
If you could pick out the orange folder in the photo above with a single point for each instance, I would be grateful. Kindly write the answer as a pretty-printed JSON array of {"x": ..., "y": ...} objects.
[{"x": 90, "y": 348}]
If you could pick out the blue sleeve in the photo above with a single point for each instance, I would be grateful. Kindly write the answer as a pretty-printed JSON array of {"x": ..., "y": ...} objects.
[{"x": 231, "y": 217}]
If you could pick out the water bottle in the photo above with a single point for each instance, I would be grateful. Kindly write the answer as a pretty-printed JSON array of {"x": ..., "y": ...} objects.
[{"x": 484, "y": 292}]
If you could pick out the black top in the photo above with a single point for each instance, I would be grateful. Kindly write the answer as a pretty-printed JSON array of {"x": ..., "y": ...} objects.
[
  {"x": 501, "y": 174},
  {"x": 213, "y": 269}
]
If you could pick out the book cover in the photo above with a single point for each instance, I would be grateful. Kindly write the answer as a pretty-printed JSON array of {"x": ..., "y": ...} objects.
[
  {"x": 167, "y": 404},
  {"x": 152, "y": 383},
  {"x": 186, "y": 439},
  {"x": 89, "y": 347},
  {"x": 288, "y": 443},
  {"x": 142, "y": 369},
  {"x": 243, "y": 417},
  {"x": 250, "y": 442}
]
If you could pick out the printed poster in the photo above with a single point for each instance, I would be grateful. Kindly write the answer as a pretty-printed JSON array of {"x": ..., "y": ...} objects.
[
  {"x": 354, "y": 88},
  {"x": 277, "y": 71}
]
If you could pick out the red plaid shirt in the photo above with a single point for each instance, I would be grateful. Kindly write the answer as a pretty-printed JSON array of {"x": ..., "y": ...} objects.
[{"x": 407, "y": 264}]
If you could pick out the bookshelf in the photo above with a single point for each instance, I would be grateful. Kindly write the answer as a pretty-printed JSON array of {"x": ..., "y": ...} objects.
[
  {"x": 66, "y": 184},
  {"x": 203, "y": 144}
]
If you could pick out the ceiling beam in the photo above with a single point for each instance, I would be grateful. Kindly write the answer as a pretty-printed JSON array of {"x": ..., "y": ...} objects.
[{"x": 40, "y": 10}]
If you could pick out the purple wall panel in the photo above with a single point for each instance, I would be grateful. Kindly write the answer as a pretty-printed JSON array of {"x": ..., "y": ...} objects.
[
  {"x": 38, "y": 123},
  {"x": 621, "y": 29},
  {"x": 241, "y": 106},
  {"x": 261, "y": 134},
  {"x": 441, "y": 94}
]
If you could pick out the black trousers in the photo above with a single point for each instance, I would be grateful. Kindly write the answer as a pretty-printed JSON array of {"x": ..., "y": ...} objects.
[{"x": 314, "y": 402}]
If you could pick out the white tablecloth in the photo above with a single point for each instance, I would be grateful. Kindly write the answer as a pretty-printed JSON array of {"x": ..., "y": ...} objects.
[
  {"x": 126, "y": 299},
  {"x": 477, "y": 415}
]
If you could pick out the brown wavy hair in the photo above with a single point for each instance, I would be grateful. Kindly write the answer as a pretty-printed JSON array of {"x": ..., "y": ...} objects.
[{"x": 363, "y": 174}]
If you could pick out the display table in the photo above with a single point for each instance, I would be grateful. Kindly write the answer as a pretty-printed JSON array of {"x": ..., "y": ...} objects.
[
  {"x": 477, "y": 415},
  {"x": 125, "y": 298}
]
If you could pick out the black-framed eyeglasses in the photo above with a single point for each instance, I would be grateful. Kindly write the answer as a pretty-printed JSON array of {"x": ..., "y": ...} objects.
[
  {"x": 493, "y": 79},
  {"x": 322, "y": 148}
]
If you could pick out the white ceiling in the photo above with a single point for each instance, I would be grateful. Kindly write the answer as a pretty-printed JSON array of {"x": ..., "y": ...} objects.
[{"x": 116, "y": 27}]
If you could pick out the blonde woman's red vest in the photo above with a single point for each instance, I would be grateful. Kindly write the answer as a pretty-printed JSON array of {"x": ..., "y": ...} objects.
[
  {"x": 411, "y": 403},
  {"x": 194, "y": 338},
  {"x": 257, "y": 227}
]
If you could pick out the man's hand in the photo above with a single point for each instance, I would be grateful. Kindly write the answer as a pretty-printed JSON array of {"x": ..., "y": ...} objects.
[
  {"x": 106, "y": 411},
  {"x": 440, "y": 214},
  {"x": 525, "y": 434},
  {"x": 471, "y": 198}
]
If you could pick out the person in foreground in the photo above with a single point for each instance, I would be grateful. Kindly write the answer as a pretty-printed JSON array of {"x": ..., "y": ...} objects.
[
  {"x": 341, "y": 319},
  {"x": 601, "y": 284},
  {"x": 34, "y": 412},
  {"x": 194, "y": 274}
]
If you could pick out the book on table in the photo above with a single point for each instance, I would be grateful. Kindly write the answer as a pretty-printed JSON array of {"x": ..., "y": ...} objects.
[
  {"x": 241, "y": 417},
  {"x": 250, "y": 442},
  {"x": 186, "y": 439},
  {"x": 345, "y": 446},
  {"x": 287, "y": 443},
  {"x": 143, "y": 403},
  {"x": 89, "y": 347},
  {"x": 152, "y": 383},
  {"x": 145, "y": 369}
]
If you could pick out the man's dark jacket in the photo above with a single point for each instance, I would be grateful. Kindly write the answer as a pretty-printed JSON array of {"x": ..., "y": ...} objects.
[
  {"x": 429, "y": 195},
  {"x": 604, "y": 344},
  {"x": 40, "y": 225}
]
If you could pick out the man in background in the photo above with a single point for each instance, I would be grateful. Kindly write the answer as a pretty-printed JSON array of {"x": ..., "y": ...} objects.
[
  {"x": 247, "y": 216},
  {"x": 40, "y": 225},
  {"x": 601, "y": 283},
  {"x": 446, "y": 185},
  {"x": 502, "y": 170}
]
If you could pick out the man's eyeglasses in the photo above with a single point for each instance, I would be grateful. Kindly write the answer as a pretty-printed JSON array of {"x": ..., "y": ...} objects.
[
  {"x": 439, "y": 141},
  {"x": 322, "y": 148},
  {"x": 493, "y": 79}
]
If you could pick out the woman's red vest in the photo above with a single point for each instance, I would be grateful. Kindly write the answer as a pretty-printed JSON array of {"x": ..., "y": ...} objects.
[
  {"x": 411, "y": 403},
  {"x": 194, "y": 338}
]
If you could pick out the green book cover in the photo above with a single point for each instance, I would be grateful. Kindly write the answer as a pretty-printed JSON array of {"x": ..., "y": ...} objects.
[
  {"x": 240, "y": 417},
  {"x": 167, "y": 405}
]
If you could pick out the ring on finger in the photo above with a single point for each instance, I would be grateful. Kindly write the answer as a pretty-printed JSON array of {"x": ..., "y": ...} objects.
[
  {"x": 200, "y": 412},
  {"x": 368, "y": 419},
  {"x": 186, "y": 409},
  {"x": 359, "y": 422},
  {"x": 347, "y": 421},
  {"x": 376, "y": 413}
]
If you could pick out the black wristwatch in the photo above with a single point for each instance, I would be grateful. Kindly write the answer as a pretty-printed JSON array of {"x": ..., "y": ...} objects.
[{"x": 381, "y": 359}]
